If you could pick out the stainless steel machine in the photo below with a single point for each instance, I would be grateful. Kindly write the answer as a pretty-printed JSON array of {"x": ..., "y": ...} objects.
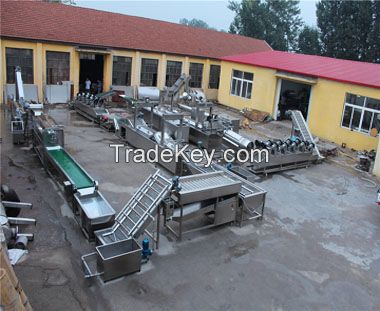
[
  {"x": 92, "y": 106},
  {"x": 214, "y": 195},
  {"x": 298, "y": 151},
  {"x": 119, "y": 253},
  {"x": 92, "y": 210},
  {"x": 22, "y": 112},
  {"x": 138, "y": 134}
]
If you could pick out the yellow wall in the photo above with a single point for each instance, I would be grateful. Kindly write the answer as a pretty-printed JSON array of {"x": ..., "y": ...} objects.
[
  {"x": 162, "y": 60},
  {"x": 326, "y": 109},
  {"x": 326, "y": 103},
  {"x": 39, "y": 62},
  {"x": 327, "y": 97},
  {"x": 39, "y": 59},
  {"x": 263, "y": 89}
]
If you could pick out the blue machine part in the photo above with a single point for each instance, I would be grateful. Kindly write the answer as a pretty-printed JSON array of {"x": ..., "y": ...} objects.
[
  {"x": 294, "y": 138},
  {"x": 229, "y": 166},
  {"x": 176, "y": 185},
  {"x": 146, "y": 251}
]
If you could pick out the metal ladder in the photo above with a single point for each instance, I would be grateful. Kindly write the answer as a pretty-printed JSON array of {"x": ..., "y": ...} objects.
[
  {"x": 300, "y": 124},
  {"x": 140, "y": 210}
]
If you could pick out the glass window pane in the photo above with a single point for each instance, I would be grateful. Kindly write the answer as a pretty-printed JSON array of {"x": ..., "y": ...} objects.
[
  {"x": 355, "y": 99},
  {"x": 121, "y": 70},
  {"x": 214, "y": 77},
  {"x": 376, "y": 121},
  {"x": 149, "y": 68},
  {"x": 238, "y": 88},
  {"x": 19, "y": 57},
  {"x": 196, "y": 73},
  {"x": 356, "y": 119},
  {"x": 373, "y": 103},
  {"x": 57, "y": 67},
  {"x": 347, "y": 116},
  {"x": 173, "y": 72},
  {"x": 244, "y": 91},
  {"x": 238, "y": 74},
  {"x": 233, "y": 87},
  {"x": 248, "y": 76},
  {"x": 249, "y": 90},
  {"x": 366, "y": 123}
]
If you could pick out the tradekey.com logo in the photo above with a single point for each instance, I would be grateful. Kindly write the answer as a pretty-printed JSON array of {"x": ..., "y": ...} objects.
[{"x": 185, "y": 153}]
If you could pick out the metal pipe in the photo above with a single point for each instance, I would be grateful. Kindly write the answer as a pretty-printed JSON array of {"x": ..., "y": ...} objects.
[
  {"x": 29, "y": 236},
  {"x": 21, "y": 242},
  {"x": 21, "y": 221},
  {"x": 8, "y": 204},
  {"x": 238, "y": 139}
]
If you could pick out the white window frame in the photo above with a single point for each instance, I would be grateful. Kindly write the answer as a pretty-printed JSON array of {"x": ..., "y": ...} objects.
[
  {"x": 242, "y": 81},
  {"x": 363, "y": 110}
]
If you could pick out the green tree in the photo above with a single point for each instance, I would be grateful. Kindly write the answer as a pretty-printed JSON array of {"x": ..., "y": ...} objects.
[
  {"x": 197, "y": 23},
  {"x": 374, "y": 37},
  {"x": 308, "y": 41},
  {"x": 276, "y": 22},
  {"x": 349, "y": 29}
]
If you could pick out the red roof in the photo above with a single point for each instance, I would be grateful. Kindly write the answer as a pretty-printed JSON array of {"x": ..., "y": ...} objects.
[
  {"x": 80, "y": 26},
  {"x": 348, "y": 71}
]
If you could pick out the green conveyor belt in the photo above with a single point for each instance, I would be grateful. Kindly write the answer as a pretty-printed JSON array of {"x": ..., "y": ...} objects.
[{"x": 77, "y": 175}]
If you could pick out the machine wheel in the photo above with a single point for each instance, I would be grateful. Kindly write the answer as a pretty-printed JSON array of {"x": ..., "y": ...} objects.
[{"x": 8, "y": 194}]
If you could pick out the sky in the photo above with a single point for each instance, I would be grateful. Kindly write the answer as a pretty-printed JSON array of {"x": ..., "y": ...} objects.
[{"x": 215, "y": 12}]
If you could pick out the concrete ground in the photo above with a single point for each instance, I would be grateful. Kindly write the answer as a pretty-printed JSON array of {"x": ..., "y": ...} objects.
[{"x": 318, "y": 246}]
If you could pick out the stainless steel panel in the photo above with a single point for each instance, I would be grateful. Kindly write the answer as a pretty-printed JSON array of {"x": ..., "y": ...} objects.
[
  {"x": 206, "y": 186},
  {"x": 139, "y": 140},
  {"x": 119, "y": 258},
  {"x": 95, "y": 208},
  {"x": 94, "y": 212},
  {"x": 172, "y": 127},
  {"x": 225, "y": 211},
  {"x": 209, "y": 140}
]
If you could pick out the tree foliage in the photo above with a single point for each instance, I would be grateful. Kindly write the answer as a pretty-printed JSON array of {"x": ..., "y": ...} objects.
[
  {"x": 350, "y": 29},
  {"x": 276, "y": 22},
  {"x": 308, "y": 41},
  {"x": 194, "y": 22}
]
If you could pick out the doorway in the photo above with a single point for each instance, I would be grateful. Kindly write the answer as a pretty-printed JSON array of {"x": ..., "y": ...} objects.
[
  {"x": 293, "y": 96},
  {"x": 91, "y": 67}
]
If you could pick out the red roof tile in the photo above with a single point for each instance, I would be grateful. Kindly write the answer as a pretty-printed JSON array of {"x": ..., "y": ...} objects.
[
  {"x": 70, "y": 24},
  {"x": 361, "y": 73}
]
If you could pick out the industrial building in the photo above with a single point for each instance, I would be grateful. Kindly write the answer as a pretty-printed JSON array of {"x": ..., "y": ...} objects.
[
  {"x": 341, "y": 99},
  {"x": 70, "y": 46}
]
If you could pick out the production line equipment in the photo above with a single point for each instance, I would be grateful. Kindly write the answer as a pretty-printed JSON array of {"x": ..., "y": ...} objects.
[
  {"x": 139, "y": 134},
  {"x": 202, "y": 201},
  {"x": 22, "y": 111},
  {"x": 298, "y": 151},
  {"x": 91, "y": 106},
  {"x": 92, "y": 210}
]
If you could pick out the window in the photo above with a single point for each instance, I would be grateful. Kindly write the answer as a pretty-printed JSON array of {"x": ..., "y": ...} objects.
[
  {"x": 241, "y": 84},
  {"x": 173, "y": 72},
  {"x": 88, "y": 56},
  {"x": 22, "y": 58},
  {"x": 214, "y": 77},
  {"x": 57, "y": 67},
  {"x": 361, "y": 113},
  {"x": 121, "y": 70},
  {"x": 196, "y": 72},
  {"x": 149, "y": 69}
]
